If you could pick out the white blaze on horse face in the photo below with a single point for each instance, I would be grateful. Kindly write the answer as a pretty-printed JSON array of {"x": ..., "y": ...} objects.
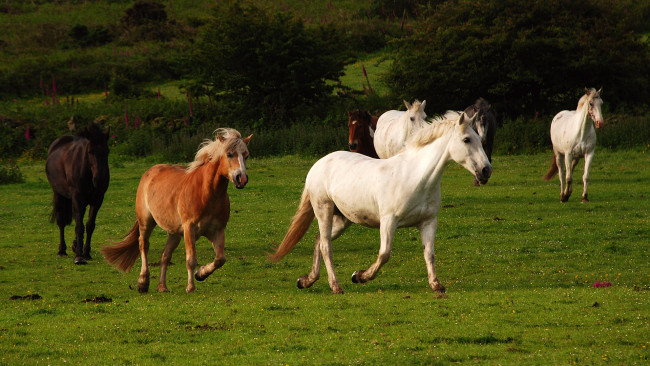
[{"x": 594, "y": 110}]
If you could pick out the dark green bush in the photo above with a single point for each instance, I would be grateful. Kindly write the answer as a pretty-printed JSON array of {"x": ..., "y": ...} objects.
[
  {"x": 525, "y": 56},
  {"x": 270, "y": 69},
  {"x": 10, "y": 173}
]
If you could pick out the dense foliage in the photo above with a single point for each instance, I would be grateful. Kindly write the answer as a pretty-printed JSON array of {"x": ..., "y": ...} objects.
[
  {"x": 268, "y": 67},
  {"x": 525, "y": 56}
]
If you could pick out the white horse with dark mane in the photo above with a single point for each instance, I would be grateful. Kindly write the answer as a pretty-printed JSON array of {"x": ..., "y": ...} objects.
[
  {"x": 402, "y": 191},
  {"x": 573, "y": 137},
  {"x": 395, "y": 127}
]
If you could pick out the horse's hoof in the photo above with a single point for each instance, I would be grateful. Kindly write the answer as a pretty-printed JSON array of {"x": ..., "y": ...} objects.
[
  {"x": 585, "y": 199},
  {"x": 62, "y": 254},
  {"x": 439, "y": 288},
  {"x": 143, "y": 289},
  {"x": 189, "y": 289},
  {"x": 299, "y": 283},
  {"x": 87, "y": 257},
  {"x": 162, "y": 289},
  {"x": 356, "y": 277},
  {"x": 564, "y": 198},
  {"x": 199, "y": 278},
  {"x": 80, "y": 260},
  {"x": 338, "y": 290}
]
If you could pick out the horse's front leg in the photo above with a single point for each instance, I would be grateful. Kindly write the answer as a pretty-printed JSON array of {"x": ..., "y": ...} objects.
[
  {"x": 218, "y": 243},
  {"x": 77, "y": 244},
  {"x": 387, "y": 226},
  {"x": 568, "y": 166},
  {"x": 172, "y": 243},
  {"x": 90, "y": 228},
  {"x": 190, "y": 256},
  {"x": 428, "y": 234},
  {"x": 559, "y": 161},
  {"x": 589, "y": 157}
]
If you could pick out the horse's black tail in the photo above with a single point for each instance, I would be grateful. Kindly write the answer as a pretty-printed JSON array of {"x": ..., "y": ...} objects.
[
  {"x": 552, "y": 170},
  {"x": 61, "y": 210}
]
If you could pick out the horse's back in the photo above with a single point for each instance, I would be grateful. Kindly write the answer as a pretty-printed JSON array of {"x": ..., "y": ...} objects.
[{"x": 389, "y": 137}]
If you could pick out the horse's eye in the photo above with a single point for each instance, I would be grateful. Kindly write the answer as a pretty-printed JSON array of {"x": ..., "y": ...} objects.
[
  {"x": 591, "y": 104},
  {"x": 412, "y": 119},
  {"x": 466, "y": 140},
  {"x": 230, "y": 155}
]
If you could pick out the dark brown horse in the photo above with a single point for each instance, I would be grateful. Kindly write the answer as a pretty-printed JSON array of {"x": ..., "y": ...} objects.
[
  {"x": 485, "y": 124},
  {"x": 77, "y": 169},
  {"x": 362, "y": 129}
]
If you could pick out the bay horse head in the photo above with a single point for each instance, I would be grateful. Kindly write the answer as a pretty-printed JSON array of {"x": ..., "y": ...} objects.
[
  {"x": 595, "y": 102},
  {"x": 362, "y": 125}
]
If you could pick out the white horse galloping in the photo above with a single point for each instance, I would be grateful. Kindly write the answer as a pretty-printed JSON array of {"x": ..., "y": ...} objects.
[
  {"x": 573, "y": 137},
  {"x": 402, "y": 191},
  {"x": 395, "y": 127}
]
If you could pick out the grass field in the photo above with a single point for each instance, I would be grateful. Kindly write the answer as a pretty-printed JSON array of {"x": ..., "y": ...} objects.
[{"x": 519, "y": 267}]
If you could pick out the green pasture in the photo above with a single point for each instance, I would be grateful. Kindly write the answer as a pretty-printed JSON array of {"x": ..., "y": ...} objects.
[{"x": 519, "y": 267}]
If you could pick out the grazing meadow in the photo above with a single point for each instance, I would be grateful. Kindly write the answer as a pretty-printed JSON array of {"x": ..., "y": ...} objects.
[{"x": 529, "y": 280}]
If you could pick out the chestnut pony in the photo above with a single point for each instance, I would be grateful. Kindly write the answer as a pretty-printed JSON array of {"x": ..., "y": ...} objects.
[
  {"x": 187, "y": 202},
  {"x": 77, "y": 169},
  {"x": 362, "y": 127}
]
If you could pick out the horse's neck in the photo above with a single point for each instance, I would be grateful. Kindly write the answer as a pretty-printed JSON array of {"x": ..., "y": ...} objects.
[
  {"x": 580, "y": 123},
  {"x": 430, "y": 162},
  {"x": 208, "y": 177}
]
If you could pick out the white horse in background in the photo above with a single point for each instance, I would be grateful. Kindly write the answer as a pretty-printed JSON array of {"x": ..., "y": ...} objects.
[
  {"x": 574, "y": 137},
  {"x": 395, "y": 127},
  {"x": 403, "y": 191}
]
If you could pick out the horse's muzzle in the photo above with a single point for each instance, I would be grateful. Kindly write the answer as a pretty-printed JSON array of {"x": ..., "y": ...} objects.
[
  {"x": 241, "y": 180},
  {"x": 484, "y": 174},
  {"x": 353, "y": 146}
]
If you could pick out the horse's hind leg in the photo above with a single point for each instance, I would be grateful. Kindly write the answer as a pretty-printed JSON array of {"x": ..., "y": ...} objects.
[
  {"x": 218, "y": 243},
  {"x": 172, "y": 243},
  {"x": 387, "y": 228},
  {"x": 62, "y": 214},
  {"x": 77, "y": 245},
  {"x": 589, "y": 157},
  {"x": 428, "y": 234},
  {"x": 339, "y": 224},
  {"x": 324, "y": 212},
  {"x": 561, "y": 174},
  {"x": 145, "y": 233},
  {"x": 90, "y": 228}
]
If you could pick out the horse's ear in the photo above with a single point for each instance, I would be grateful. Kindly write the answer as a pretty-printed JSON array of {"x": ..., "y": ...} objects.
[
  {"x": 221, "y": 137},
  {"x": 600, "y": 91},
  {"x": 424, "y": 102},
  {"x": 407, "y": 104},
  {"x": 349, "y": 114},
  {"x": 108, "y": 132},
  {"x": 248, "y": 139},
  {"x": 586, "y": 90},
  {"x": 462, "y": 118}
]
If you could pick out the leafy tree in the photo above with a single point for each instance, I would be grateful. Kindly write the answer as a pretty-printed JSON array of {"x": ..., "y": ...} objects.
[
  {"x": 268, "y": 68},
  {"x": 525, "y": 56}
]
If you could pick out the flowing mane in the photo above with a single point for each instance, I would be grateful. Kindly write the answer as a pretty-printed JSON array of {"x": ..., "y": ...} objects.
[
  {"x": 438, "y": 127},
  {"x": 210, "y": 151},
  {"x": 592, "y": 93}
]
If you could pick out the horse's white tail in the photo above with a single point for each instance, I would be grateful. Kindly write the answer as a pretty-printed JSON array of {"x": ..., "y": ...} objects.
[
  {"x": 552, "y": 170},
  {"x": 299, "y": 226}
]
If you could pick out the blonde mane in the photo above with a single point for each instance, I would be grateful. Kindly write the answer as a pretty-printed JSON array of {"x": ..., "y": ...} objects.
[
  {"x": 591, "y": 94},
  {"x": 438, "y": 127},
  {"x": 210, "y": 151}
]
